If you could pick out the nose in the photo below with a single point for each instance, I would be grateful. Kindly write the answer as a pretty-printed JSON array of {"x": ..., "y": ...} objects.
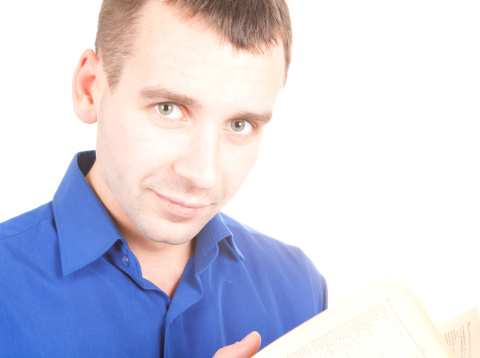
[{"x": 199, "y": 162}]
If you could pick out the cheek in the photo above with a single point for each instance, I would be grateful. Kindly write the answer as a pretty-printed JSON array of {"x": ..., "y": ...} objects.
[
  {"x": 125, "y": 138},
  {"x": 122, "y": 151},
  {"x": 237, "y": 165}
]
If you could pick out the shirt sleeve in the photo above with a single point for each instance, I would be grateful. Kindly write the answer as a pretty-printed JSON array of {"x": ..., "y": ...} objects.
[{"x": 319, "y": 285}]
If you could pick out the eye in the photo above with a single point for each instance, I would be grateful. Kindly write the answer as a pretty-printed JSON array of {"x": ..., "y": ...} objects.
[
  {"x": 169, "y": 110},
  {"x": 240, "y": 126}
]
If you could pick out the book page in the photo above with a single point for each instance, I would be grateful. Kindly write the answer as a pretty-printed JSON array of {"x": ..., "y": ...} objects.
[
  {"x": 386, "y": 320},
  {"x": 462, "y": 334}
]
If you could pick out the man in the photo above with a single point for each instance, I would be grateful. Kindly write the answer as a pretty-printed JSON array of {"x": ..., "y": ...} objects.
[{"x": 133, "y": 257}]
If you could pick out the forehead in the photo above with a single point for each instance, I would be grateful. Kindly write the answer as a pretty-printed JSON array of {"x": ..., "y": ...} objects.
[{"x": 187, "y": 54}]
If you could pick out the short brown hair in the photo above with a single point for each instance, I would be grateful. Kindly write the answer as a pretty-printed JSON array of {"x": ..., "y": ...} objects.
[{"x": 248, "y": 25}]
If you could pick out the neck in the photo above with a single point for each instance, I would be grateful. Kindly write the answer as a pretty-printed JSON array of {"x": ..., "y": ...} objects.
[{"x": 161, "y": 263}]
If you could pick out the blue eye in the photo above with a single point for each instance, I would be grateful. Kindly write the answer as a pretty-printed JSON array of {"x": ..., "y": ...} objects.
[
  {"x": 240, "y": 126},
  {"x": 169, "y": 110}
]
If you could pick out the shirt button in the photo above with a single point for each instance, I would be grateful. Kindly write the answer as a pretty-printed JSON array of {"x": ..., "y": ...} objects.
[{"x": 125, "y": 260}]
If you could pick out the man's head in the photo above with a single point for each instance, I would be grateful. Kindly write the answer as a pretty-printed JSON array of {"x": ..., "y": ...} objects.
[
  {"x": 181, "y": 129},
  {"x": 250, "y": 25}
]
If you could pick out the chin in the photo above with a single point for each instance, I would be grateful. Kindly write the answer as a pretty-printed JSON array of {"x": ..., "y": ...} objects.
[{"x": 172, "y": 233}]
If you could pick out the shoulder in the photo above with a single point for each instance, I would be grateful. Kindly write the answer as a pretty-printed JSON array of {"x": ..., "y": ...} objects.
[
  {"x": 252, "y": 242},
  {"x": 268, "y": 257},
  {"x": 26, "y": 223}
]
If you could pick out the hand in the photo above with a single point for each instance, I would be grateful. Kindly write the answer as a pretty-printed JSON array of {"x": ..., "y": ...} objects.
[{"x": 244, "y": 349}]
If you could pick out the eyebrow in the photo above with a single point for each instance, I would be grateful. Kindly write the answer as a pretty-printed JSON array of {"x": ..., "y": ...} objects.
[
  {"x": 263, "y": 118},
  {"x": 161, "y": 94}
]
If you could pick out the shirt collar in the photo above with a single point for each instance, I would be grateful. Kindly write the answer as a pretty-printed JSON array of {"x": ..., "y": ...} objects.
[
  {"x": 86, "y": 231},
  {"x": 208, "y": 240}
]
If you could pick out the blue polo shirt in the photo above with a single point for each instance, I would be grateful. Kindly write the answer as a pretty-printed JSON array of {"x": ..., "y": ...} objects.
[{"x": 71, "y": 287}]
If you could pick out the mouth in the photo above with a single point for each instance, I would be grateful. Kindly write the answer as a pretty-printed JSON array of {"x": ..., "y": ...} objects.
[{"x": 180, "y": 208}]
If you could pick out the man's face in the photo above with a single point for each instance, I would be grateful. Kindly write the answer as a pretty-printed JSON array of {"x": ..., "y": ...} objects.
[{"x": 181, "y": 131}]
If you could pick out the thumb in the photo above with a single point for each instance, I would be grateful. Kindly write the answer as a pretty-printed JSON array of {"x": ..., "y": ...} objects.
[{"x": 246, "y": 348}]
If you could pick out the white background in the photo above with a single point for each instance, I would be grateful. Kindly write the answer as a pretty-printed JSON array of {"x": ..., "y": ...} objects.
[{"x": 371, "y": 163}]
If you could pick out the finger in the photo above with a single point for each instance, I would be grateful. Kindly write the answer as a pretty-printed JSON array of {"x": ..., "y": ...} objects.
[{"x": 246, "y": 348}]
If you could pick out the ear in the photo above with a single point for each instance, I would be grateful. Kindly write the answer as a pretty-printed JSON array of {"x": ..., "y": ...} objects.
[{"x": 84, "y": 83}]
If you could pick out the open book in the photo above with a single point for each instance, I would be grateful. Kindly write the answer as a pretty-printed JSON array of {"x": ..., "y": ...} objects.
[
  {"x": 386, "y": 320},
  {"x": 462, "y": 334}
]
